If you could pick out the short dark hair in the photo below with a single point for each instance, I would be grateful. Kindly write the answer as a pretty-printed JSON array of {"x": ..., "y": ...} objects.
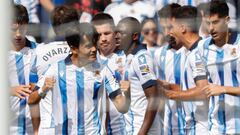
[
  {"x": 168, "y": 10},
  {"x": 20, "y": 14},
  {"x": 132, "y": 23},
  {"x": 203, "y": 7},
  {"x": 84, "y": 30},
  {"x": 189, "y": 15},
  {"x": 102, "y": 18},
  {"x": 64, "y": 17},
  {"x": 217, "y": 7}
]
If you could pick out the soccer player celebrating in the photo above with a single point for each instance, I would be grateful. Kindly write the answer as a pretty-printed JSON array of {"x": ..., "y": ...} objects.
[
  {"x": 168, "y": 61},
  {"x": 108, "y": 54},
  {"x": 63, "y": 19},
  {"x": 185, "y": 31},
  {"x": 21, "y": 59},
  {"x": 78, "y": 81},
  {"x": 140, "y": 118},
  {"x": 221, "y": 55}
]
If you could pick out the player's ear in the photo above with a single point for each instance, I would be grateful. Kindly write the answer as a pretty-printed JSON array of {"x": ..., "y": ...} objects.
[
  {"x": 227, "y": 19},
  {"x": 135, "y": 36},
  {"x": 183, "y": 28},
  {"x": 74, "y": 50}
]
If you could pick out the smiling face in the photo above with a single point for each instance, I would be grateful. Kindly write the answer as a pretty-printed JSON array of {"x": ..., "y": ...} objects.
[
  {"x": 107, "y": 39},
  {"x": 87, "y": 51},
  {"x": 217, "y": 26}
]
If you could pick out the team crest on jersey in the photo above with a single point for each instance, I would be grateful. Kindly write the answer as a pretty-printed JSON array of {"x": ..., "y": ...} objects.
[
  {"x": 142, "y": 60},
  {"x": 234, "y": 52},
  {"x": 144, "y": 69}
]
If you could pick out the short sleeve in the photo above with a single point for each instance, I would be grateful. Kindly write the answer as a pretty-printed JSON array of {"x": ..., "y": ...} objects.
[
  {"x": 197, "y": 66},
  {"x": 111, "y": 85},
  {"x": 143, "y": 67}
]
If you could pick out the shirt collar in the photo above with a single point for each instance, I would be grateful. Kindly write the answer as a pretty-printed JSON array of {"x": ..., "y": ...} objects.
[
  {"x": 138, "y": 48},
  {"x": 195, "y": 44}
]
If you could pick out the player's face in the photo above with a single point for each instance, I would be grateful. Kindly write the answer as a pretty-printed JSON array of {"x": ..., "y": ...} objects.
[
  {"x": 166, "y": 26},
  {"x": 126, "y": 37},
  {"x": 118, "y": 38},
  {"x": 87, "y": 51},
  {"x": 217, "y": 26},
  {"x": 149, "y": 32},
  {"x": 18, "y": 34},
  {"x": 107, "y": 39},
  {"x": 176, "y": 31}
]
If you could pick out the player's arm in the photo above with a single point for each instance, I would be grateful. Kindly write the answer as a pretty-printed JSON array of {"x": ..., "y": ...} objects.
[
  {"x": 192, "y": 94},
  {"x": 143, "y": 67},
  {"x": 215, "y": 90},
  {"x": 40, "y": 92},
  {"x": 118, "y": 92},
  {"x": 151, "y": 110},
  {"x": 121, "y": 97},
  {"x": 199, "y": 75},
  {"x": 35, "y": 117}
]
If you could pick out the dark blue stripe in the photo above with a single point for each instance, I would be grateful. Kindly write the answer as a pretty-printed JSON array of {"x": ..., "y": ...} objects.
[
  {"x": 190, "y": 2},
  {"x": 221, "y": 110},
  {"x": 177, "y": 68},
  {"x": 186, "y": 79},
  {"x": 109, "y": 125},
  {"x": 80, "y": 99},
  {"x": 180, "y": 119},
  {"x": 96, "y": 119},
  {"x": 169, "y": 121},
  {"x": 63, "y": 91},
  {"x": 118, "y": 76},
  {"x": 193, "y": 131},
  {"x": 23, "y": 102}
]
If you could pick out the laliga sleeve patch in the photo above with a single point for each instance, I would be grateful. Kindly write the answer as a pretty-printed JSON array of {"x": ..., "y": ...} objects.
[{"x": 144, "y": 69}]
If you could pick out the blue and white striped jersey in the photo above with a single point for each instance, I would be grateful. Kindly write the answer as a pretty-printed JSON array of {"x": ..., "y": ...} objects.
[
  {"x": 116, "y": 122},
  {"x": 195, "y": 111},
  {"x": 32, "y": 7},
  {"x": 167, "y": 62},
  {"x": 223, "y": 68},
  {"x": 139, "y": 71},
  {"x": 75, "y": 96},
  {"x": 21, "y": 72}
]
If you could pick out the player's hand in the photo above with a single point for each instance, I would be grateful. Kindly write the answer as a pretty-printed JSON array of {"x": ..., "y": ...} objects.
[
  {"x": 213, "y": 90},
  {"x": 49, "y": 83},
  {"x": 21, "y": 91},
  {"x": 125, "y": 85}
]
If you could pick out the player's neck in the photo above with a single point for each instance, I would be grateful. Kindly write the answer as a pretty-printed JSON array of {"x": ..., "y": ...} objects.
[
  {"x": 131, "y": 48},
  {"x": 190, "y": 40}
]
